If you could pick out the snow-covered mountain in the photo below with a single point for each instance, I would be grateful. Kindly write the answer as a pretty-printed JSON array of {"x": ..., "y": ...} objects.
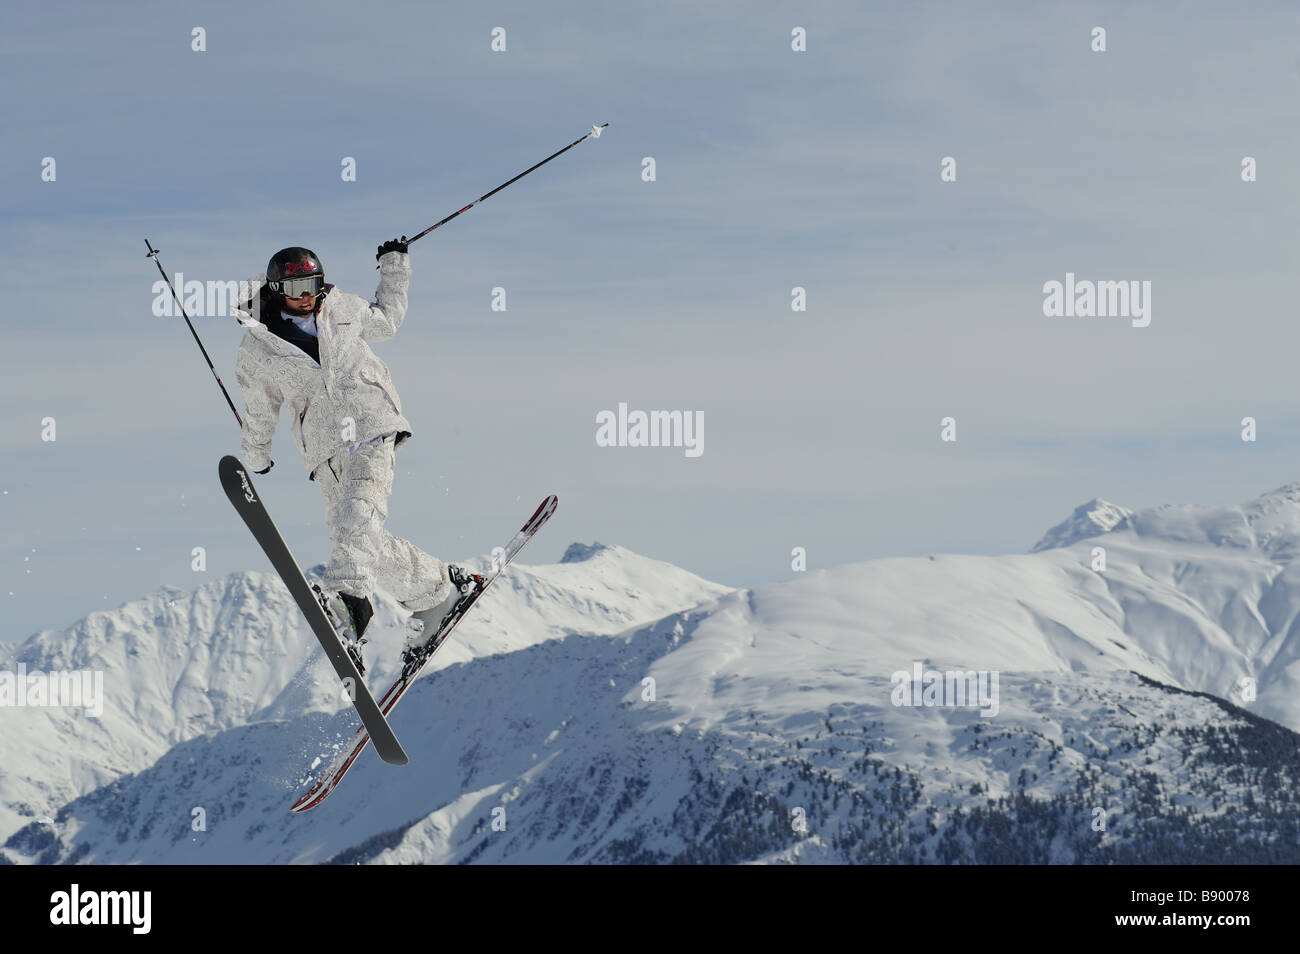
[
  {"x": 1088, "y": 520},
  {"x": 180, "y": 665},
  {"x": 1155, "y": 691},
  {"x": 558, "y": 746}
]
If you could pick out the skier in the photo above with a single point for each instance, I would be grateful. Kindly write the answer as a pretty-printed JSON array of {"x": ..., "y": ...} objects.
[{"x": 306, "y": 347}]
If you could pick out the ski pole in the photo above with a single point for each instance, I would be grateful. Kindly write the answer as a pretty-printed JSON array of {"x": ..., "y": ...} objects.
[
  {"x": 594, "y": 134},
  {"x": 153, "y": 253}
]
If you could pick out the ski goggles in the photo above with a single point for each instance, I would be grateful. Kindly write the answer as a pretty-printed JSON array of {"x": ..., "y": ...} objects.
[{"x": 297, "y": 287}]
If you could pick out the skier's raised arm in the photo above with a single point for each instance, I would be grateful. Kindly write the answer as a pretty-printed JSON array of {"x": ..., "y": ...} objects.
[{"x": 389, "y": 307}]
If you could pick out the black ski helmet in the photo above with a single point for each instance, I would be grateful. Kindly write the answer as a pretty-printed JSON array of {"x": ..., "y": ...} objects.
[{"x": 294, "y": 262}]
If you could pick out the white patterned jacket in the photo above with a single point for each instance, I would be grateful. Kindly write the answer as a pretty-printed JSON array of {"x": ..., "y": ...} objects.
[{"x": 348, "y": 397}]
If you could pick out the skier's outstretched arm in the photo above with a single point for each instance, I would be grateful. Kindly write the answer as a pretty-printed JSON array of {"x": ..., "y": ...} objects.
[{"x": 262, "y": 400}]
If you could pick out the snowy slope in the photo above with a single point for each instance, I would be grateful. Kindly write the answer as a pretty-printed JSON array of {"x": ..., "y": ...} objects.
[
  {"x": 778, "y": 697},
  {"x": 179, "y": 665},
  {"x": 558, "y": 744}
]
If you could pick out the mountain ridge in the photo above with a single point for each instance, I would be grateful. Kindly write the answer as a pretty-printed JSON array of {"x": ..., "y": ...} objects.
[
  {"x": 235, "y": 650},
  {"x": 1132, "y": 681}
]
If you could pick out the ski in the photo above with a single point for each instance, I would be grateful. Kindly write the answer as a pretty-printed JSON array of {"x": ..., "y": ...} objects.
[
  {"x": 239, "y": 488},
  {"x": 347, "y": 756}
]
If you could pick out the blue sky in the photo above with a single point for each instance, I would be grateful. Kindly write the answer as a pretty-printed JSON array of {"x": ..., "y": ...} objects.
[{"x": 774, "y": 169}]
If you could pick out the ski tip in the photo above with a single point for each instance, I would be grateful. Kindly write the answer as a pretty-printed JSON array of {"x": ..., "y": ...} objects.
[
  {"x": 235, "y": 479},
  {"x": 542, "y": 513},
  {"x": 312, "y": 797}
]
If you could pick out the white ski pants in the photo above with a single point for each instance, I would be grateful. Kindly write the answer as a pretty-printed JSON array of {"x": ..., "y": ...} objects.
[{"x": 356, "y": 486}]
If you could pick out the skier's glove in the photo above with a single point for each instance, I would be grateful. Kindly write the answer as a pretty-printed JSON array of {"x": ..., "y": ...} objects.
[
  {"x": 268, "y": 469},
  {"x": 393, "y": 245}
]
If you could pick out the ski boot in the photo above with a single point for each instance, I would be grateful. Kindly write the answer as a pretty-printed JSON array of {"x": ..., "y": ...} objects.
[
  {"x": 425, "y": 623},
  {"x": 349, "y": 615}
]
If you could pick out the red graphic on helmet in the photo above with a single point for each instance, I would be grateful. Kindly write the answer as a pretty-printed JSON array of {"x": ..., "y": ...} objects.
[{"x": 297, "y": 268}]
